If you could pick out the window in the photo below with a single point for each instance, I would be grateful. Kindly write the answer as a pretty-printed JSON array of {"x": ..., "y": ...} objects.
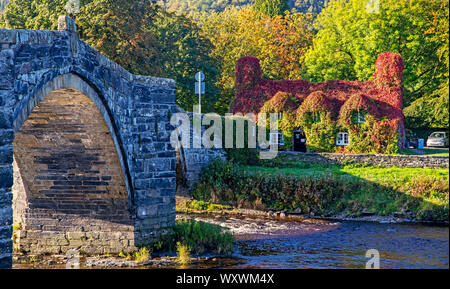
[
  {"x": 438, "y": 135},
  {"x": 359, "y": 117},
  {"x": 314, "y": 116},
  {"x": 342, "y": 139},
  {"x": 276, "y": 138}
]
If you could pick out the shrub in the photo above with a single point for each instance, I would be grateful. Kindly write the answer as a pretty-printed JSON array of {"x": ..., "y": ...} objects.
[
  {"x": 245, "y": 155},
  {"x": 183, "y": 253},
  {"x": 322, "y": 193},
  {"x": 142, "y": 255},
  {"x": 198, "y": 237}
]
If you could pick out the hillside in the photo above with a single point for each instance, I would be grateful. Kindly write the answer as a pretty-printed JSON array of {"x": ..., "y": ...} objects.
[{"x": 191, "y": 6}]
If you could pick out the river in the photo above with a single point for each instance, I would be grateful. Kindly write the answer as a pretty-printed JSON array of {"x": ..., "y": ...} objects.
[
  {"x": 267, "y": 243},
  {"x": 278, "y": 244}
]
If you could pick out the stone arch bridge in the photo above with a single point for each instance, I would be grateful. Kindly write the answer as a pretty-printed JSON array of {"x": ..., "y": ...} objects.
[{"x": 85, "y": 154}]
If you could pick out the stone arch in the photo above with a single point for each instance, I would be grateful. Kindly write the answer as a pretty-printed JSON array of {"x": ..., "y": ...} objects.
[
  {"x": 74, "y": 81},
  {"x": 69, "y": 186}
]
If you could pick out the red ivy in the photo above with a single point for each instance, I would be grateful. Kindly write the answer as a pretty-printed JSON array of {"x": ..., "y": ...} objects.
[
  {"x": 383, "y": 96},
  {"x": 316, "y": 102}
]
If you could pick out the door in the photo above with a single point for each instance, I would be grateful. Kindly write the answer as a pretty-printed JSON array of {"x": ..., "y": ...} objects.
[{"x": 299, "y": 141}]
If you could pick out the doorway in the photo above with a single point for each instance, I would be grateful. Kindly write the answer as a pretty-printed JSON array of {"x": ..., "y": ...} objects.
[{"x": 300, "y": 141}]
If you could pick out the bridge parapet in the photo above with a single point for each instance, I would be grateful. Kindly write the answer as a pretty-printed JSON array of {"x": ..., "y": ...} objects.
[{"x": 136, "y": 110}]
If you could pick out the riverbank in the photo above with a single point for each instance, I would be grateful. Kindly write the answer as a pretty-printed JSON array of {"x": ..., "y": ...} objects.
[
  {"x": 189, "y": 206},
  {"x": 269, "y": 242},
  {"x": 354, "y": 191}
]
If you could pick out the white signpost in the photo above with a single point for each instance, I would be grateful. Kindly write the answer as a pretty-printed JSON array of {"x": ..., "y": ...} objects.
[{"x": 200, "y": 88}]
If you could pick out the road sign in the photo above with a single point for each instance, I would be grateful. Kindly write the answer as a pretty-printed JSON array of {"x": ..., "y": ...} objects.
[
  {"x": 200, "y": 76},
  {"x": 199, "y": 91},
  {"x": 200, "y": 88}
]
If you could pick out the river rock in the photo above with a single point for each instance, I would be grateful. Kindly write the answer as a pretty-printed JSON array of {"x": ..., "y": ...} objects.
[
  {"x": 366, "y": 213},
  {"x": 297, "y": 211}
]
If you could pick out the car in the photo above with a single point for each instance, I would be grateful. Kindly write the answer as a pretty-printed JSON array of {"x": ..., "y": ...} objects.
[
  {"x": 411, "y": 139},
  {"x": 438, "y": 139}
]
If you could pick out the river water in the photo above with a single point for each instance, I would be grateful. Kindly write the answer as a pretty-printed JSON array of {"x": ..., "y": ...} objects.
[
  {"x": 265, "y": 243},
  {"x": 277, "y": 244}
]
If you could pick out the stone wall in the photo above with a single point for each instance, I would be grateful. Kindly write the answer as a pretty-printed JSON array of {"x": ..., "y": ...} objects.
[
  {"x": 402, "y": 161},
  {"x": 191, "y": 161},
  {"x": 135, "y": 110}
]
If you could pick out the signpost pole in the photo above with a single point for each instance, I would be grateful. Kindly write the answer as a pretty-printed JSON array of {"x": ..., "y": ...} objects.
[{"x": 200, "y": 88}]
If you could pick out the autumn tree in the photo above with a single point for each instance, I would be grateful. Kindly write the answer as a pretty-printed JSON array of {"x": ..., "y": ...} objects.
[
  {"x": 138, "y": 35},
  {"x": 279, "y": 42},
  {"x": 351, "y": 34},
  {"x": 271, "y": 7},
  {"x": 433, "y": 110}
]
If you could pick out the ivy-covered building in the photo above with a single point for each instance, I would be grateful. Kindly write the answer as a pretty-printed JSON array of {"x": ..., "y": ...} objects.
[{"x": 336, "y": 115}]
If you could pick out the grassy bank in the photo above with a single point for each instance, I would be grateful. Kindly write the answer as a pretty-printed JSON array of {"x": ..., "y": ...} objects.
[{"x": 328, "y": 190}]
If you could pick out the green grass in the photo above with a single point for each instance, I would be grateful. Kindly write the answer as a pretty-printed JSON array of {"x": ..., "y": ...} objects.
[
  {"x": 436, "y": 152},
  {"x": 392, "y": 177},
  {"x": 429, "y": 152},
  {"x": 402, "y": 180},
  {"x": 328, "y": 189}
]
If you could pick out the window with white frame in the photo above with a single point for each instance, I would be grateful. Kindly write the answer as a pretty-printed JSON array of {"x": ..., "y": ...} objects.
[
  {"x": 360, "y": 117},
  {"x": 276, "y": 138},
  {"x": 315, "y": 116},
  {"x": 342, "y": 139}
]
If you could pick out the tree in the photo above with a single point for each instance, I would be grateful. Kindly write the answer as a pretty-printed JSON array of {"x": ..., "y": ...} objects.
[
  {"x": 271, "y": 7},
  {"x": 185, "y": 52},
  {"x": 432, "y": 110},
  {"x": 138, "y": 35},
  {"x": 352, "y": 34},
  {"x": 280, "y": 43}
]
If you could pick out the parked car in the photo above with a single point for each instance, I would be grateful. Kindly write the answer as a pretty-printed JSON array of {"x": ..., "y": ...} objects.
[
  {"x": 438, "y": 139},
  {"x": 411, "y": 139}
]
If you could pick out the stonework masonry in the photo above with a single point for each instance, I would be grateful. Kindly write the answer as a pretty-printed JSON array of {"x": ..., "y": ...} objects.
[
  {"x": 401, "y": 161},
  {"x": 191, "y": 161},
  {"x": 108, "y": 184}
]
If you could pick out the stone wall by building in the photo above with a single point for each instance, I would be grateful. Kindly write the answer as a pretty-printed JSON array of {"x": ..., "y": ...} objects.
[
  {"x": 191, "y": 161},
  {"x": 135, "y": 109},
  {"x": 402, "y": 161}
]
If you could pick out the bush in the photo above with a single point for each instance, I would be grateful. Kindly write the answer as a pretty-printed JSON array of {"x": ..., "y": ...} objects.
[
  {"x": 325, "y": 193},
  {"x": 197, "y": 237}
]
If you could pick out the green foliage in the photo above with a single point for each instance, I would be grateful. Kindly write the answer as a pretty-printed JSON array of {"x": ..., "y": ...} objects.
[
  {"x": 138, "y": 35},
  {"x": 209, "y": 6},
  {"x": 245, "y": 155},
  {"x": 198, "y": 238},
  {"x": 279, "y": 42},
  {"x": 142, "y": 255},
  {"x": 350, "y": 38},
  {"x": 184, "y": 52},
  {"x": 196, "y": 205},
  {"x": 331, "y": 189},
  {"x": 183, "y": 253},
  {"x": 321, "y": 135},
  {"x": 271, "y": 7}
]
